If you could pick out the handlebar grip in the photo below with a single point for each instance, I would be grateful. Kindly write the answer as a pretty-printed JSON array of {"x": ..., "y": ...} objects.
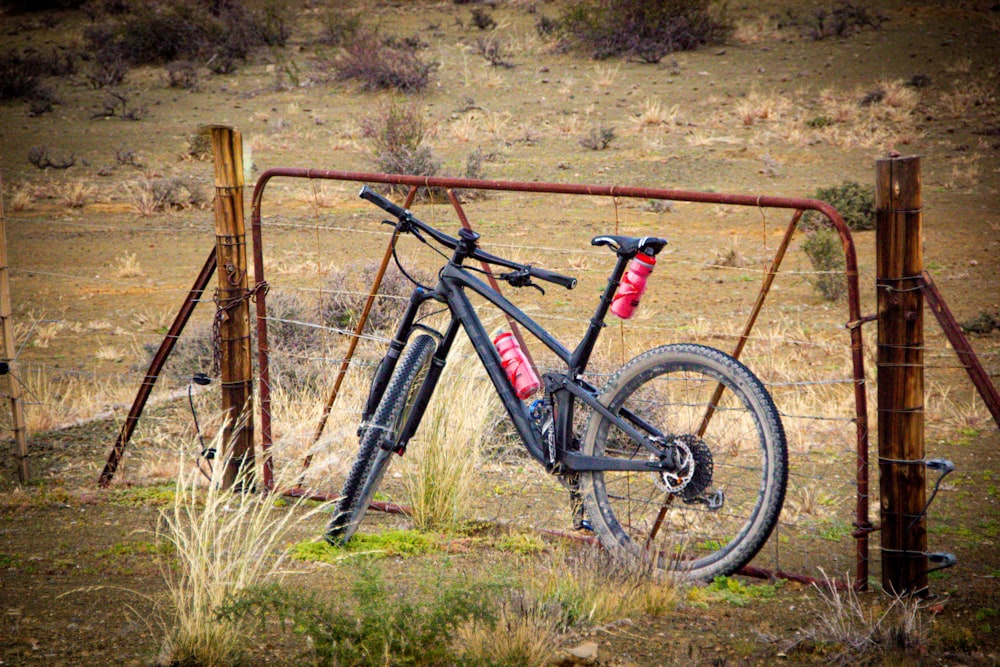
[
  {"x": 383, "y": 203},
  {"x": 555, "y": 278}
]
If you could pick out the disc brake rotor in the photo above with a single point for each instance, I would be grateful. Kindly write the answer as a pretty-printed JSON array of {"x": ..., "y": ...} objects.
[{"x": 693, "y": 472}]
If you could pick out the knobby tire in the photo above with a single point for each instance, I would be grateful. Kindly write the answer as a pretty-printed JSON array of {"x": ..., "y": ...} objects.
[
  {"x": 636, "y": 514},
  {"x": 386, "y": 422}
]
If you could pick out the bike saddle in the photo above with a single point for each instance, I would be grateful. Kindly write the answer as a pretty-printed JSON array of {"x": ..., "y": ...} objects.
[{"x": 628, "y": 246}]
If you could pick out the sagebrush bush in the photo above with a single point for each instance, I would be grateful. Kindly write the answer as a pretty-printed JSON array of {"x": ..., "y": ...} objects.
[
  {"x": 643, "y": 29},
  {"x": 855, "y": 203},
  {"x": 843, "y": 20},
  {"x": 339, "y": 26},
  {"x": 396, "y": 133},
  {"x": 344, "y": 294},
  {"x": 160, "y": 32},
  {"x": 826, "y": 253},
  {"x": 598, "y": 139},
  {"x": 379, "y": 65},
  {"x": 17, "y": 78}
]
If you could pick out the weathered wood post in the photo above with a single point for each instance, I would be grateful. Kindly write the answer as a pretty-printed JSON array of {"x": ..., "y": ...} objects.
[
  {"x": 7, "y": 363},
  {"x": 899, "y": 263},
  {"x": 233, "y": 314}
]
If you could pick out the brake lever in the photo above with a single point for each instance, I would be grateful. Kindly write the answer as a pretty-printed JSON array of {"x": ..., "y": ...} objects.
[
  {"x": 405, "y": 228},
  {"x": 520, "y": 278}
]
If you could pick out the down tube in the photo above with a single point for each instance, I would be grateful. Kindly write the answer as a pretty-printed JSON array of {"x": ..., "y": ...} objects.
[{"x": 462, "y": 309}]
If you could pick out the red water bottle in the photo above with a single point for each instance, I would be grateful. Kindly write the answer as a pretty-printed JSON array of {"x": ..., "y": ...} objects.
[
  {"x": 520, "y": 373},
  {"x": 633, "y": 284}
]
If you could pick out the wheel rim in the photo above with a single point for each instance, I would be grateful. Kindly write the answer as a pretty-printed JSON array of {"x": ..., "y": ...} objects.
[{"x": 685, "y": 534}]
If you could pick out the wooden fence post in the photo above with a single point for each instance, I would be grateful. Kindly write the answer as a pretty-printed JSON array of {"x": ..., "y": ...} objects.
[
  {"x": 899, "y": 263},
  {"x": 7, "y": 358},
  {"x": 233, "y": 314}
]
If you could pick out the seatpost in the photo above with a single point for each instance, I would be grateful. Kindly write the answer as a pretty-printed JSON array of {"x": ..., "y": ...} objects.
[{"x": 581, "y": 355}]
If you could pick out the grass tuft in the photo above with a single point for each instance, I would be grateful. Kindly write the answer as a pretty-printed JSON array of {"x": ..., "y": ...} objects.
[{"x": 223, "y": 543}]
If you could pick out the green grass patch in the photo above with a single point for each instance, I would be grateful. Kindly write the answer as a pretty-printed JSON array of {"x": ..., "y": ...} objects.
[
  {"x": 402, "y": 543},
  {"x": 126, "y": 549},
  {"x": 10, "y": 560},
  {"x": 732, "y": 591},
  {"x": 143, "y": 496},
  {"x": 521, "y": 543},
  {"x": 370, "y": 625}
]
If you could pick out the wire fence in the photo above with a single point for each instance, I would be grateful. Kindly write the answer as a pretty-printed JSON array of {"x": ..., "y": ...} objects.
[{"x": 80, "y": 361}]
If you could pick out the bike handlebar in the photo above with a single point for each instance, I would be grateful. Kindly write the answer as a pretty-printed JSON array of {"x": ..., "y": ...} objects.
[{"x": 403, "y": 215}]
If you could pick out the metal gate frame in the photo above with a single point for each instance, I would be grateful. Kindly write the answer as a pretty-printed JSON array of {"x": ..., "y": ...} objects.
[{"x": 862, "y": 525}]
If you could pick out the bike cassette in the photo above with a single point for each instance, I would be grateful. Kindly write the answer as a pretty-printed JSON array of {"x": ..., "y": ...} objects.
[{"x": 693, "y": 468}]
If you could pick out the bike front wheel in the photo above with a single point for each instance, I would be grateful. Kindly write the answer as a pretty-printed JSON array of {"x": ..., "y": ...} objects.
[
  {"x": 386, "y": 423},
  {"x": 713, "y": 512}
]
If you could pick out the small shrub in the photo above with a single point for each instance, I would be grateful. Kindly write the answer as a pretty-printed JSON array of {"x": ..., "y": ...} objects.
[
  {"x": 494, "y": 51},
  {"x": 825, "y": 252},
  {"x": 220, "y": 33},
  {"x": 396, "y": 132},
  {"x": 843, "y": 20},
  {"x": 344, "y": 294},
  {"x": 855, "y": 203},
  {"x": 41, "y": 101},
  {"x": 339, "y": 26},
  {"x": 182, "y": 74},
  {"x": 546, "y": 26},
  {"x": 120, "y": 103},
  {"x": 375, "y": 627},
  {"x": 482, "y": 19},
  {"x": 644, "y": 29},
  {"x": 598, "y": 139},
  {"x": 109, "y": 69},
  {"x": 20, "y": 76},
  {"x": 379, "y": 66},
  {"x": 128, "y": 158},
  {"x": 983, "y": 323}
]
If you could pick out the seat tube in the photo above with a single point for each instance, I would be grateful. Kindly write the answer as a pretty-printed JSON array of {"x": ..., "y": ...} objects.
[{"x": 581, "y": 355}]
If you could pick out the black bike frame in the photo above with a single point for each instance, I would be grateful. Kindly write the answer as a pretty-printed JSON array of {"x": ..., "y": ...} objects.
[{"x": 562, "y": 387}]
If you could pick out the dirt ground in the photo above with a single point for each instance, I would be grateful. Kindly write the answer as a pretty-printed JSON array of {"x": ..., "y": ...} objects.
[{"x": 77, "y": 584}]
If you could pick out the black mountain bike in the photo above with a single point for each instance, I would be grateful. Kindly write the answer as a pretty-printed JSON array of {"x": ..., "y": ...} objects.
[{"x": 682, "y": 457}]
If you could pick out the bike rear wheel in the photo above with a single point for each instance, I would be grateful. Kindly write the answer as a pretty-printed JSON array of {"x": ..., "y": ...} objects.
[
  {"x": 710, "y": 517},
  {"x": 386, "y": 423}
]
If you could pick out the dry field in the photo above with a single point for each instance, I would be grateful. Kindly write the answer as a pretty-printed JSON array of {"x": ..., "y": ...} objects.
[{"x": 102, "y": 254}]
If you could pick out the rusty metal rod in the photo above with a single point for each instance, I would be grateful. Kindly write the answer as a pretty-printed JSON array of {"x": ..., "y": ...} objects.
[
  {"x": 155, "y": 366},
  {"x": 980, "y": 378}
]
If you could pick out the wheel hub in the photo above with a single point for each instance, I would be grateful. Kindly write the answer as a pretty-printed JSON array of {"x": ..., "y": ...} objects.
[{"x": 693, "y": 468}]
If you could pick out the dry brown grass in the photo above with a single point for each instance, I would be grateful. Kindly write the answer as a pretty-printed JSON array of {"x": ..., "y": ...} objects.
[
  {"x": 128, "y": 266},
  {"x": 759, "y": 107},
  {"x": 77, "y": 194},
  {"x": 654, "y": 115},
  {"x": 440, "y": 470},
  {"x": 223, "y": 543},
  {"x": 592, "y": 587},
  {"x": 856, "y": 630},
  {"x": 604, "y": 76},
  {"x": 524, "y": 634},
  {"x": 22, "y": 198}
]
